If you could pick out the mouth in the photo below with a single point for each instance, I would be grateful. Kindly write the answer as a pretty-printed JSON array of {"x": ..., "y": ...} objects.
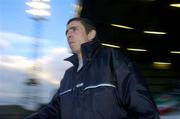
[{"x": 71, "y": 42}]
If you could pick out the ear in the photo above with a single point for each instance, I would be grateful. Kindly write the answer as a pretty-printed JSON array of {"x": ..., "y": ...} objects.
[{"x": 91, "y": 35}]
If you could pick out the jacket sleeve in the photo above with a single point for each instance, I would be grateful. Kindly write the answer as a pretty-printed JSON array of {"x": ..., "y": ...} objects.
[
  {"x": 132, "y": 90},
  {"x": 50, "y": 111}
]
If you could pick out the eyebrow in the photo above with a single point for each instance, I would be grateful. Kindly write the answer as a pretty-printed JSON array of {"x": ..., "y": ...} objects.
[{"x": 73, "y": 27}]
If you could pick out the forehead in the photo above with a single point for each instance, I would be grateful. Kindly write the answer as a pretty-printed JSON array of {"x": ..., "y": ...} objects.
[{"x": 74, "y": 23}]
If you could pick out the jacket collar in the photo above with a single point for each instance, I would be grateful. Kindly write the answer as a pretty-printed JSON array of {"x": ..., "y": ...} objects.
[{"x": 88, "y": 51}]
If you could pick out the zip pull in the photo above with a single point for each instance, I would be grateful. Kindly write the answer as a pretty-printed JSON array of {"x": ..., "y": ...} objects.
[{"x": 79, "y": 85}]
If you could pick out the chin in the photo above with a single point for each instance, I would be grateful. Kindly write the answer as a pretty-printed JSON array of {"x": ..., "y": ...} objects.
[{"x": 73, "y": 51}]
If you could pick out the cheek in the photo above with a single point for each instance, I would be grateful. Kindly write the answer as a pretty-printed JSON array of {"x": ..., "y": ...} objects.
[{"x": 82, "y": 39}]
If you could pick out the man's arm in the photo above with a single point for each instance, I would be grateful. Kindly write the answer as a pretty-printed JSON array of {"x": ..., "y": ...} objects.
[
  {"x": 133, "y": 92},
  {"x": 50, "y": 111}
]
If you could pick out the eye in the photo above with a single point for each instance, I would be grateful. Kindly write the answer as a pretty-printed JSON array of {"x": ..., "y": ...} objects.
[{"x": 74, "y": 29}]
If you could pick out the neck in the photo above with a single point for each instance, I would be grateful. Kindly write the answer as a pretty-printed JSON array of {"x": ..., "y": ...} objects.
[
  {"x": 80, "y": 61},
  {"x": 79, "y": 56}
]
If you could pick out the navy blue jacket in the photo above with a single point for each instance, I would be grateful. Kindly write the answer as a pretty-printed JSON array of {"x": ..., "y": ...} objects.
[{"x": 108, "y": 86}]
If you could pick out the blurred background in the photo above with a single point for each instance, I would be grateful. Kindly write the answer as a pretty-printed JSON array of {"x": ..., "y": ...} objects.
[
  {"x": 32, "y": 52},
  {"x": 33, "y": 46}
]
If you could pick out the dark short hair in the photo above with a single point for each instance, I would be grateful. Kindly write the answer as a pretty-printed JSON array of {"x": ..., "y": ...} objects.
[{"x": 89, "y": 25}]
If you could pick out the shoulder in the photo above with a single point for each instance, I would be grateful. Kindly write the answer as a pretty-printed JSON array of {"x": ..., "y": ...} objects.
[
  {"x": 67, "y": 73},
  {"x": 116, "y": 53},
  {"x": 119, "y": 57}
]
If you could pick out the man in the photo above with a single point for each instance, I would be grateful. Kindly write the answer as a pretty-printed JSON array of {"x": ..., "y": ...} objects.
[{"x": 101, "y": 84}]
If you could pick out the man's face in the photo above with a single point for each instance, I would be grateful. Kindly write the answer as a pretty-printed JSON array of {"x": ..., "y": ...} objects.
[{"x": 76, "y": 35}]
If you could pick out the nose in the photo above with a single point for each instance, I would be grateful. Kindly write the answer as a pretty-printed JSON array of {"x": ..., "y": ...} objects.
[{"x": 68, "y": 34}]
